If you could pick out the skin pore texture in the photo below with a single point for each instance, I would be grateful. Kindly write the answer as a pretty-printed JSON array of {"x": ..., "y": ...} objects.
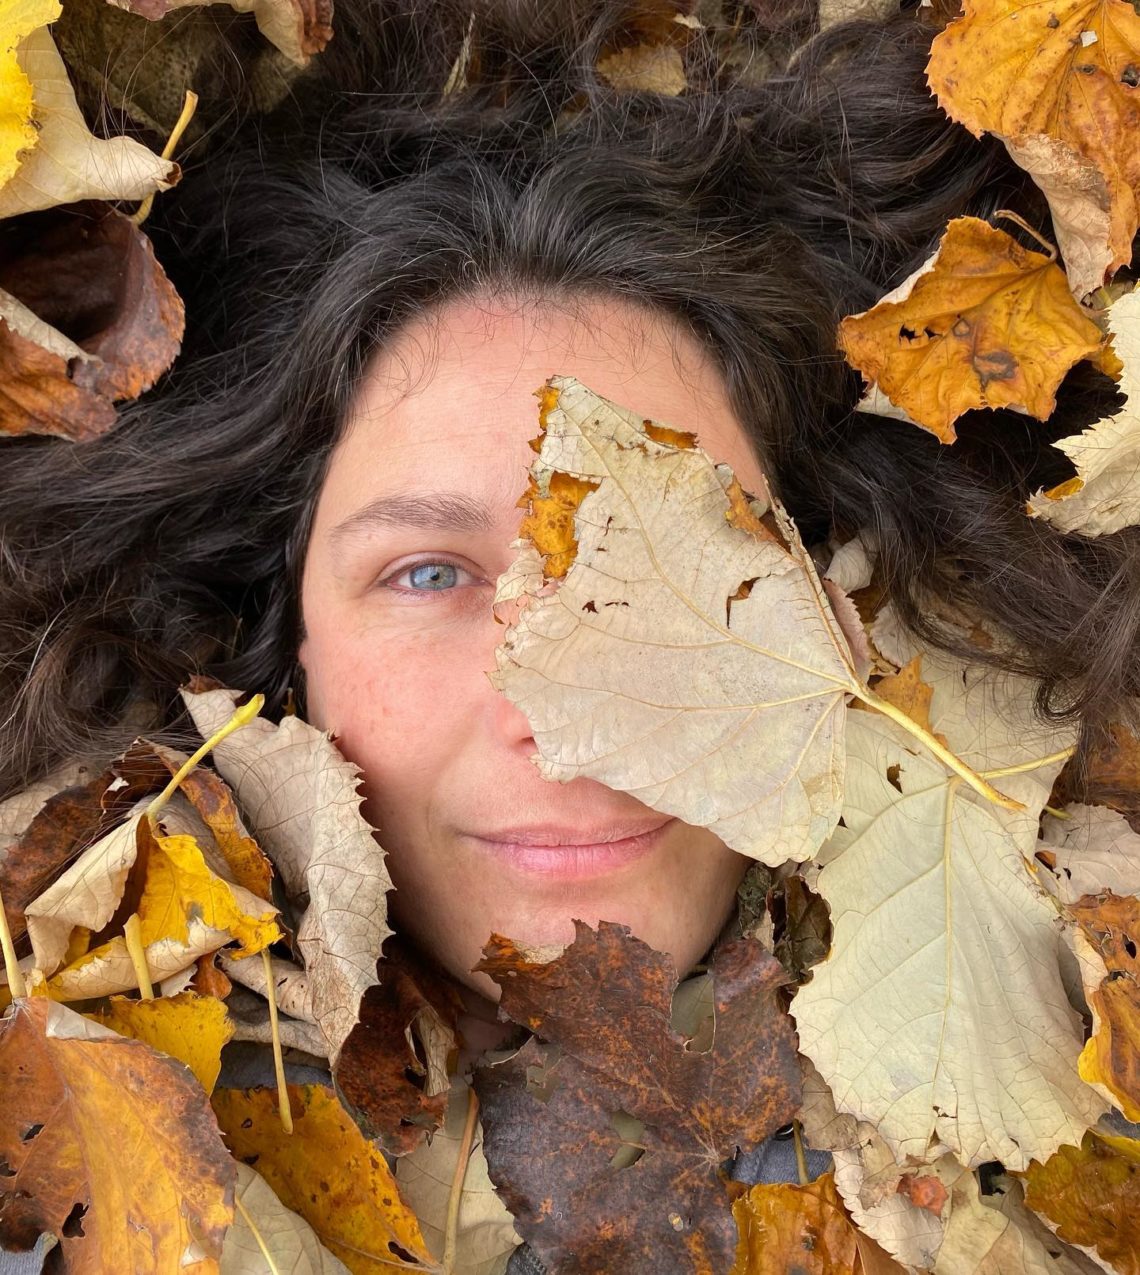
[{"x": 399, "y": 633}]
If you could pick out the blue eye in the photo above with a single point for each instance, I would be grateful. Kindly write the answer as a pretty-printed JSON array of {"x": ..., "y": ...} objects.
[{"x": 432, "y": 575}]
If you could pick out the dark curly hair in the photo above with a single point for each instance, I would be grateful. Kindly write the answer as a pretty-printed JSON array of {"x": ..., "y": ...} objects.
[{"x": 756, "y": 215}]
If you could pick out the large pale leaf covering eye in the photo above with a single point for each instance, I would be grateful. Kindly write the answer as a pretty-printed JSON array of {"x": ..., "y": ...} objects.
[{"x": 689, "y": 656}]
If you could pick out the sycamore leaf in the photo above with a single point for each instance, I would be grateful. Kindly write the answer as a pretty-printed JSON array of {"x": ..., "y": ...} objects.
[
  {"x": 299, "y": 796},
  {"x": 1105, "y": 494},
  {"x": 1093, "y": 849},
  {"x": 486, "y": 1235},
  {"x": 328, "y": 1172},
  {"x": 1065, "y": 70},
  {"x": 800, "y": 1228},
  {"x": 942, "y": 939},
  {"x": 18, "y": 132},
  {"x": 107, "y": 1145},
  {"x": 612, "y": 1078},
  {"x": 690, "y": 655},
  {"x": 191, "y": 1028},
  {"x": 986, "y": 323},
  {"x": 1091, "y": 1195},
  {"x": 68, "y": 163},
  {"x": 264, "y": 1226},
  {"x": 1109, "y": 927}
]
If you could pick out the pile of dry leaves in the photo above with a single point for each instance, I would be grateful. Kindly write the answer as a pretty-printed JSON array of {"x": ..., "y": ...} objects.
[{"x": 935, "y": 970}]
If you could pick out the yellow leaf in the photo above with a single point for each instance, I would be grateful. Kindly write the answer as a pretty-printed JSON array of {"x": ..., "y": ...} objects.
[
  {"x": 327, "y": 1171},
  {"x": 987, "y": 323},
  {"x": 18, "y": 18},
  {"x": 1065, "y": 70},
  {"x": 191, "y": 1028}
]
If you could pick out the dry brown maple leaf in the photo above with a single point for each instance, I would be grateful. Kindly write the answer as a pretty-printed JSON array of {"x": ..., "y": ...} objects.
[
  {"x": 611, "y": 1078},
  {"x": 73, "y": 1097}
]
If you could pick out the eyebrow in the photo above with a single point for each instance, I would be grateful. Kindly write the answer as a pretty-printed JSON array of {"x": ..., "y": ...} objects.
[{"x": 430, "y": 510}]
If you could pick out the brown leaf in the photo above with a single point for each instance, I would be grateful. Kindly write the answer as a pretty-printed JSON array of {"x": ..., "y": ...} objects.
[
  {"x": 299, "y": 28},
  {"x": 615, "y": 1080},
  {"x": 802, "y": 925},
  {"x": 392, "y": 1069},
  {"x": 107, "y": 1145}
]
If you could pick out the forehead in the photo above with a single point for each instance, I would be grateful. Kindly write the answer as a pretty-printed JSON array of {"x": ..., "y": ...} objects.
[{"x": 450, "y": 402}]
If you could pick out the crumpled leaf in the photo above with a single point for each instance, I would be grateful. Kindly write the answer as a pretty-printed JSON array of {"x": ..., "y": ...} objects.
[
  {"x": 74, "y": 1097},
  {"x": 942, "y": 939},
  {"x": 68, "y": 163},
  {"x": 984, "y": 323},
  {"x": 1064, "y": 70},
  {"x": 190, "y": 1028},
  {"x": 299, "y": 796},
  {"x": 1091, "y": 1194},
  {"x": 1109, "y": 927},
  {"x": 288, "y": 1238},
  {"x": 485, "y": 1236},
  {"x": 690, "y": 655},
  {"x": 392, "y": 1071},
  {"x": 1105, "y": 494},
  {"x": 18, "y": 133},
  {"x": 325, "y": 1170},
  {"x": 613, "y": 1077}
]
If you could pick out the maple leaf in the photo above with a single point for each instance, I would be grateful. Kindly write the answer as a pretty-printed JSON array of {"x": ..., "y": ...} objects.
[
  {"x": 1065, "y": 71},
  {"x": 1091, "y": 1195},
  {"x": 557, "y": 1113},
  {"x": 65, "y": 1084},
  {"x": 942, "y": 939},
  {"x": 984, "y": 323},
  {"x": 1105, "y": 494},
  {"x": 1090, "y": 850},
  {"x": 328, "y": 1172},
  {"x": 300, "y": 798}
]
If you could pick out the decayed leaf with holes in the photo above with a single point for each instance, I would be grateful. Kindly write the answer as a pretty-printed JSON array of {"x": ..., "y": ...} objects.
[
  {"x": 1105, "y": 494},
  {"x": 264, "y": 1226},
  {"x": 1067, "y": 71},
  {"x": 68, "y": 163},
  {"x": 608, "y": 1077},
  {"x": 485, "y": 1234},
  {"x": 986, "y": 323},
  {"x": 1091, "y": 1195},
  {"x": 942, "y": 938},
  {"x": 328, "y": 1172},
  {"x": 1108, "y": 933},
  {"x": 299, "y": 797},
  {"x": 73, "y": 1095},
  {"x": 675, "y": 641},
  {"x": 18, "y": 133},
  {"x": 190, "y": 1028}
]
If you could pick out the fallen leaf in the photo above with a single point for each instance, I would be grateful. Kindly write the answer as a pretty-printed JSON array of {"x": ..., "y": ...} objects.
[
  {"x": 1093, "y": 849},
  {"x": 1110, "y": 1059},
  {"x": 906, "y": 690},
  {"x": 1105, "y": 494},
  {"x": 555, "y": 1114},
  {"x": 299, "y": 796},
  {"x": 1091, "y": 1194},
  {"x": 392, "y": 1071},
  {"x": 75, "y": 1096},
  {"x": 679, "y": 649},
  {"x": 68, "y": 163},
  {"x": 187, "y": 1027},
  {"x": 645, "y": 68},
  {"x": 1066, "y": 70},
  {"x": 328, "y": 1172},
  {"x": 264, "y": 1229},
  {"x": 987, "y": 323},
  {"x": 805, "y": 1229},
  {"x": 485, "y": 1232},
  {"x": 941, "y": 938},
  {"x": 18, "y": 133}
]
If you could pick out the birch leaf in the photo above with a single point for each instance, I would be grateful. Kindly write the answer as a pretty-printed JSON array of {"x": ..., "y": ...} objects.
[
  {"x": 299, "y": 797},
  {"x": 1105, "y": 494},
  {"x": 263, "y": 1224},
  {"x": 689, "y": 655},
  {"x": 942, "y": 940}
]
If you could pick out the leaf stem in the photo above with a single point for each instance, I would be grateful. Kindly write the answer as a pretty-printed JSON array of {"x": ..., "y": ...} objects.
[
  {"x": 256, "y": 1235},
  {"x": 948, "y": 758},
  {"x": 454, "y": 1199},
  {"x": 132, "y": 933},
  {"x": 801, "y": 1158},
  {"x": 1022, "y": 767},
  {"x": 189, "y": 106},
  {"x": 1009, "y": 215},
  {"x": 15, "y": 975},
  {"x": 275, "y": 1035}
]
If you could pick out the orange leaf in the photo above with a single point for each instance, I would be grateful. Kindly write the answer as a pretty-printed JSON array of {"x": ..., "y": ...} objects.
[{"x": 989, "y": 324}]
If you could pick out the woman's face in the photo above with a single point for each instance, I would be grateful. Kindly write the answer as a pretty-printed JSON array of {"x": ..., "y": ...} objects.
[{"x": 411, "y": 529}]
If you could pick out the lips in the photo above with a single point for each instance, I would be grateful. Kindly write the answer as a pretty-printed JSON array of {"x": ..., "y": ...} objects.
[
  {"x": 568, "y": 835},
  {"x": 564, "y": 853}
]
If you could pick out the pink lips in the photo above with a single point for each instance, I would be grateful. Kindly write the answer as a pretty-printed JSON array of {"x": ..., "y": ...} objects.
[{"x": 555, "y": 852}]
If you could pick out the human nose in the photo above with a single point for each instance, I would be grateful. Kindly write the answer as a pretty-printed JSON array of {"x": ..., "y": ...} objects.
[{"x": 508, "y": 723}]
